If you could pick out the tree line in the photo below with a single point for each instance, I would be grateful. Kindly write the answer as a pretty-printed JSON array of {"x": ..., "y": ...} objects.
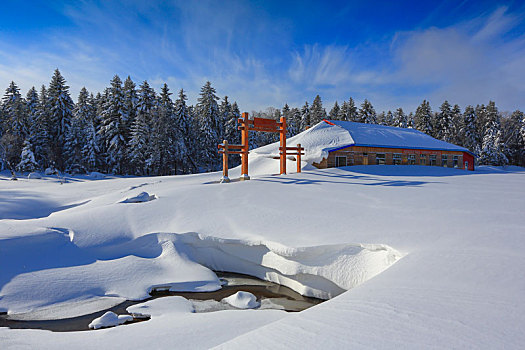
[{"x": 134, "y": 130}]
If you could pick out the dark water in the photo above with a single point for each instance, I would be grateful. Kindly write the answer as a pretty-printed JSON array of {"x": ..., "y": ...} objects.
[{"x": 282, "y": 296}]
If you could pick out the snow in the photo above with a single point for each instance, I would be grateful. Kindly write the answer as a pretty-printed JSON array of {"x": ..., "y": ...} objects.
[
  {"x": 139, "y": 198},
  {"x": 411, "y": 256},
  {"x": 242, "y": 300},
  {"x": 34, "y": 175},
  {"x": 109, "y": 319}
]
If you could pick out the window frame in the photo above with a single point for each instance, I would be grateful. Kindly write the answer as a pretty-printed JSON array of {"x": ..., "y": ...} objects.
[
  {"x": 397, "y": 158},
  {"x": 339, "y": 157},
  {"x": 383, "y": 159}
]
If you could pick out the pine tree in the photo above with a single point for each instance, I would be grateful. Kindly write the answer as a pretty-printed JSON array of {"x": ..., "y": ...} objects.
[
  {"x": 37, "y": 130},
  {"x": 515, "y": 143},
  {"x": 423, "y": 119},
  {"x": 60, "y": 113},
  {"x": 317, "y": 112},
  {"x": 130, "y": 104},
  {"x": 469, "y": 130},
  {"x": 113, "y": 130},
  {"x": 140, "y": 152},
  {"x": 492, "y": 146},
  {"x": 291, "y": 126},
  {"x": 400, "y": 119},
  {"x": 86, "y": 110},
  {"x": 444, "y": 128},
  {"x": 388, "y": 119},
  {"x": 232, "y": 134},
  {"x": 167, "y": 143},
  {"x": 27, "y": 159},
  {"x": 14, "y": 123},
  {"x": 367, "y": 114},
  {"x": 207, "y": 111},
  {"x": 334, "y": 112},
  {"x": 305, "y": 117},
  {"x": 353, "y": 114},
  {"x": 225, "y": 114},
  {"x": 187, "y": 128}
]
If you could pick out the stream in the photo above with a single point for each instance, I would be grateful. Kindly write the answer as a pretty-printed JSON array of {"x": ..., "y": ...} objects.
[{"x": 271, "y": 295}]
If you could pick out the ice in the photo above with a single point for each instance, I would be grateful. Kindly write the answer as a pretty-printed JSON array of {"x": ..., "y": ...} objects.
[
  {"x": 109, "y": 319},
  {"x": 242, "y": 300}
]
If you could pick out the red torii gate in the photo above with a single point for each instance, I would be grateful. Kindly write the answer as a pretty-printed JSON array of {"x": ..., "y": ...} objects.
[{"x": 263, "y": 125}]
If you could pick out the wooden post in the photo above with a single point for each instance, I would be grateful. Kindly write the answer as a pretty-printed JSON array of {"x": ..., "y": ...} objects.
[
  {"x": 283, "y": 145},
  {"x": 299, "y": 149},
  {"x": 225, "y": 177},
  {"x": 245, "y": 135}
]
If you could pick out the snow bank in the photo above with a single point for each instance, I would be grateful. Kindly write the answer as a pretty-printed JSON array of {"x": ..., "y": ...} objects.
[
  {"x": 109, "y": 319},
  {"x": 95, "y": 175},
  {"x": 242, "y": 300},
  {"x": 139, "y": 198},
  {"x": 34, "y": 175},
  {"x": 317, "y": 141}
]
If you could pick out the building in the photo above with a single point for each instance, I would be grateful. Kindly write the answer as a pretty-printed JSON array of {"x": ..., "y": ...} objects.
[
  {"x": 333, "y": 143},
  {"x": 379, "y": 144}
]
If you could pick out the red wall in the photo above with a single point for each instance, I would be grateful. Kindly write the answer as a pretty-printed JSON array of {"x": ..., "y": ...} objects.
[{"x": 470, "y": 159}]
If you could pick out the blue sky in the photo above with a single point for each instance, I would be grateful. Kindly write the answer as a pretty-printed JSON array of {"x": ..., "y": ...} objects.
[{"x": 268, "y": 53}]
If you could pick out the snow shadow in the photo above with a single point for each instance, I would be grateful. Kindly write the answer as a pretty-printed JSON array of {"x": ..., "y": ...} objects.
[
  {"x": 52, "y": 249},
  {"x": 342, "y": 179},
  {"x": 20, "y": 205},
  {"x": 419, "y": 170}
]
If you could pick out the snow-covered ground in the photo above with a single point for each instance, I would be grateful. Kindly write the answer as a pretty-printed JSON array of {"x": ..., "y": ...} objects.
[{"x": 431, "y": 257}]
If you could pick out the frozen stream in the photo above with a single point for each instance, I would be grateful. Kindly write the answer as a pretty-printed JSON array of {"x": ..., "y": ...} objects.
[{"x": 271, "y": 295}]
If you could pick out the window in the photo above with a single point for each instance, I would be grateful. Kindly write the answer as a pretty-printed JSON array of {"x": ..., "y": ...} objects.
[
  {"x": 396, "y": 158},
  {"x": 444, "y": 160},
  {"x": 432, "y": 159},
  {"x": 455, "y": 161},
  {"x": 422, "y": 159},
  {"x": 412, "y": 159},
  {"x": 380, "y": 158},
  {"x": 340, "y": 161}
]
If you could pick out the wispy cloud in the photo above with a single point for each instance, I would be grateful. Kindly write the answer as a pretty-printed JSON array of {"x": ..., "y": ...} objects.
[{"x": 251, "y": 56}]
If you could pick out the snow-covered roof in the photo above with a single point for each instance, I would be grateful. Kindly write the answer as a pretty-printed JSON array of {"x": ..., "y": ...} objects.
[
  {"x": 332, "y": 135},
  {"x": 373, "y": 135}
]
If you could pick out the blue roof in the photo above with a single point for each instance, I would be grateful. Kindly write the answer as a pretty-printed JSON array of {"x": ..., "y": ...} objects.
[{"x": 373, "y": 135}]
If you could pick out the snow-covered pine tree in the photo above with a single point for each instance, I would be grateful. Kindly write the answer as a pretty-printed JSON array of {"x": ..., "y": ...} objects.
[
  {"x": 130, "y": 104},
  {"x": 305, "y": 117},
  {"x": 60, "y": 112},
  {"x": 381, "y": 118},
  {"x": 295, "y": 115},
  {"x": 27, "y": 159},
  {"x": 389, "y": 119},
  {"x": 139, "y": 144},
  {"x": 187, "y": 128},
  {"x": 352, "y": 112},
  {"x": 167, "y": 143},
  {"x": 367, "y": 113},
  {"x": 291, "y": 126},
  {"x": 511, "y": 129},
  {"x": 492, "y": 146},
  {"x": 14, "y": 123},
  {"x": 400, "y": 118},
  {"x": 335, "y": 112},
  {"x": 73, "y": 146},
  {"x": 317, "y": 112},
  {"x": 37, "y": 128},
  {"x": 343, "y": 112},
  {"x": 232, "y": 134},
  {"x": 41, "y": 142},
  {"x": 208, "y": 116},
  {"x": 457, "y": 120},
  {"x": 113, "y": 129},
  {"x": 423, "y": 118},
  {"x": 444, "y": 123},
  {"x": 85, "y": 110},
  {"x": 225, "y": 113},
  {"x": 469, "y": 130}
]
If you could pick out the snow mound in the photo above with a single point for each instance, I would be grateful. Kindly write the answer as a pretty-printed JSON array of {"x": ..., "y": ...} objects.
[
  {"x": 109, "y": 319},
  {"x": 242, "y": 300},
  {"x": 161, "y": 306},
  {"x": 140, "y": 198},
  {"x": 96, "y": 175},
  {"x": 50, "y": 171},
  {"x": 317, "y": 141},
  {"x": 34, "y": 175}
]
